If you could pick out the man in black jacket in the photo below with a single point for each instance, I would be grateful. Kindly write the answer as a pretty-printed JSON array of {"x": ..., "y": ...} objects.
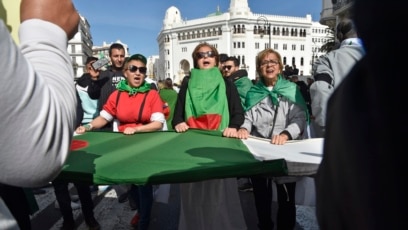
[{"x": 108, "y": 79}]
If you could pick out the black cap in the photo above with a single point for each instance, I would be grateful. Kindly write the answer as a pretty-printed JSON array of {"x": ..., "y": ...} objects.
[{"x": 138, "y": 57}]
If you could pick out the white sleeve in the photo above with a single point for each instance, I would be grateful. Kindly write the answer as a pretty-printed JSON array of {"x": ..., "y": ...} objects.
[{"x": 38, "y": 104}]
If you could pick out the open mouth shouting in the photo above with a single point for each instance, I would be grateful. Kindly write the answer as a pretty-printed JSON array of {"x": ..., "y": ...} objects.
[{"x": 136, "y": 80}]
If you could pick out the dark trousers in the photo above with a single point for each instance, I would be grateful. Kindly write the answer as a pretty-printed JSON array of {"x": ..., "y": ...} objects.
[
  {"x": 286, "y": 216},
  {"x": 16, "y": 201},
  {"x": 64, "y": 200},
  {"x": 143, "y": 195}
]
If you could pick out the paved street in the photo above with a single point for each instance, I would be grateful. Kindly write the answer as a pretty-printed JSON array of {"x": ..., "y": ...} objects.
[{"x": 114, "y": 215}]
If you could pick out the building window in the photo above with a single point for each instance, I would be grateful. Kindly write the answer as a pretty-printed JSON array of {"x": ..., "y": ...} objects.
[
  {"x": 293, "y": 47},
  {"x": 256, "y": 45},
  {"x": 255, "y": 30},
  {"x": 285, "y": 47},
  {"x": 275, "y": 46}
]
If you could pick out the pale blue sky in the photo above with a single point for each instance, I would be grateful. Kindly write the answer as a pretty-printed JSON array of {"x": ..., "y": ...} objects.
[{"x": 137, "y": 23}]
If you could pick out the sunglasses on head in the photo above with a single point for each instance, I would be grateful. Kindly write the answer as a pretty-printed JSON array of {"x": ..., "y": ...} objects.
[
  {"x": 133, "y": 69},
  {"x": 227, "y": 67},
  {"x": 205, "y": 54}
]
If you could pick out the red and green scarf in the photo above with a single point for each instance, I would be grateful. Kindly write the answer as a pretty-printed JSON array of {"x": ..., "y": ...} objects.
[{"x": 206, "y": 100}]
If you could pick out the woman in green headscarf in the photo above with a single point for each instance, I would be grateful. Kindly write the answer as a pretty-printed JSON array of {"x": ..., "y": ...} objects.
[
  {"x": 210, "y": 102},
  {"x": 276, "y": 110}
]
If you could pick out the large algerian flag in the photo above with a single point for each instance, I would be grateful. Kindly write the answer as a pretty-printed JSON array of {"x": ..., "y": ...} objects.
[{"x": 166, "y": 157}]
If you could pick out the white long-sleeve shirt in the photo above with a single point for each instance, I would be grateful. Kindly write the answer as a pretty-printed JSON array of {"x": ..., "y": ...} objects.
[{"x": 37, "y": 106}]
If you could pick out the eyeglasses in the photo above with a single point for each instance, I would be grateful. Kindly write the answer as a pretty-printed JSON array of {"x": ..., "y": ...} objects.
[
  {"x": 228, "y": 67},
  {"x": 272, "y": 62},
  {"x": 200, "y": 55},
  {"x": 133, "y": 69}
]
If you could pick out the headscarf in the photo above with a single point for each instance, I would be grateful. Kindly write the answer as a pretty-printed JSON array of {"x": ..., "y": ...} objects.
[{"x": 206, "y": 100}]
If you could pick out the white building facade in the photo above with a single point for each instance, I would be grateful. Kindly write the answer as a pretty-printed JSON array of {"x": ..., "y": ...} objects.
[
  {"x": 80, "y": 47},
  {"x": 239, "y": 33},
  {"x": 103, "y": 50}
]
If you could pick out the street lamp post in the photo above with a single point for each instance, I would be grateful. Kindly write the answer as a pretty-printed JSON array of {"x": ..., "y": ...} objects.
[{"x": 262, "y": 20}]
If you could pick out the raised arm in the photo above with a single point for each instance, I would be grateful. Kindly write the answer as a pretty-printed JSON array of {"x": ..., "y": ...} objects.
[{"x": 37, "y": 93}]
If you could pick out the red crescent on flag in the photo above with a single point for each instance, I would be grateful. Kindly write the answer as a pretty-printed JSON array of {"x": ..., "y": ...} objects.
[{"x": 78, "y": 144}]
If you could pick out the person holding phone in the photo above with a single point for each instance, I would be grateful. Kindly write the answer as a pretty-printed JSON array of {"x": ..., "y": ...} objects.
[
  {"x": 102, "y": 87},
  {"x": 89, "y": 105}
]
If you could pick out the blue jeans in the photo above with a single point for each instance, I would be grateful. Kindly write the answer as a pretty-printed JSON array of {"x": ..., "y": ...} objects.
[{"x": 143, "y": 195}]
